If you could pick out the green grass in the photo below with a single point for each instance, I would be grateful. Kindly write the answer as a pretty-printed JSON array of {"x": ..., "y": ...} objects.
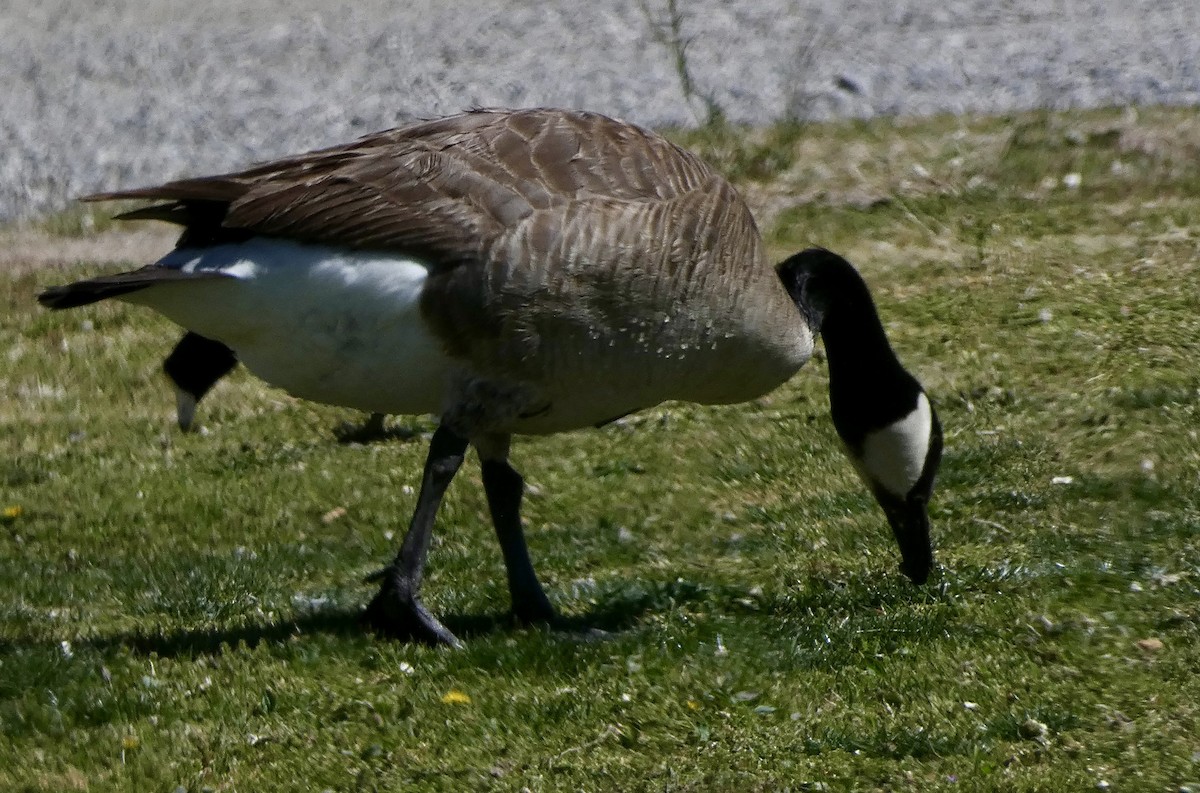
[{"x": 176, "y": 613}]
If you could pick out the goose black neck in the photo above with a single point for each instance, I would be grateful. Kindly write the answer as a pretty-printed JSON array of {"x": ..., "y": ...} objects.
[
  {"x": 865, "y": 377},
  {"x": 836, "y": 303}
]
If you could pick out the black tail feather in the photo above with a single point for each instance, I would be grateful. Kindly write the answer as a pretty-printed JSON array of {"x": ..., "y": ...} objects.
[{"x": 93, "y": 290}]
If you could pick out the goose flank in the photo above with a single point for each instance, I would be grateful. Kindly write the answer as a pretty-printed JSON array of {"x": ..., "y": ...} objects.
[{"x": 516, "y": 272}]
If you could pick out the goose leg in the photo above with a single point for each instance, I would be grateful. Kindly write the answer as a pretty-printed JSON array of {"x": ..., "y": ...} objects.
[
  {"x": 504, "y": 488},
  {"x": 397, "y": 608}
]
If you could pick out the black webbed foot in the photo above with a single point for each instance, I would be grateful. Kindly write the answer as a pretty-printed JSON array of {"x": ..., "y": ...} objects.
[
  {"x": 398, "y": 613},
  {"x": 534, "y": 608}
]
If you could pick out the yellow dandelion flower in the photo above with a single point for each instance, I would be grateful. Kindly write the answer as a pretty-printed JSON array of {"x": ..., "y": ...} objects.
[
  {"x": 693, "y": 704},
  {"x": 456, "y": 697},
  {"x": 130, "y": 742},
  {"x": 13, "y": 512}
]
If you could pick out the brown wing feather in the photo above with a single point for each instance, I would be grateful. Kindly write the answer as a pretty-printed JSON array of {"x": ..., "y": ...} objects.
[{"x": 447, "y": 189}]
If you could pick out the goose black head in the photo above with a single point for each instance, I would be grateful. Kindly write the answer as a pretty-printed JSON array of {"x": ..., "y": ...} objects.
[
  {"x": 193, "y": 367},
  {"x": 886, "y": 422}
]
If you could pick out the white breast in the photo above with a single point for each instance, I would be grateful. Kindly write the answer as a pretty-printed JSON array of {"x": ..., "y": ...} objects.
[
  {"x": 894, "y": 456},
  {"x": 330, "y": 325}
]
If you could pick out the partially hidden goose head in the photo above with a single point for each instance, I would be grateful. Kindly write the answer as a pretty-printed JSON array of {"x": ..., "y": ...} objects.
[
  {"x": 527, "y": 271},
  {"x": 195, "y": 365}
]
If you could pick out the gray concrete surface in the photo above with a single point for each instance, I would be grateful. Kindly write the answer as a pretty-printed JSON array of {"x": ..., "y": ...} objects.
[{"x": 117, "y": 93}]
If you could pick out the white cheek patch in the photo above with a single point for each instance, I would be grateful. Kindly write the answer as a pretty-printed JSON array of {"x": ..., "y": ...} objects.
[{"x": 894, "y": 456}]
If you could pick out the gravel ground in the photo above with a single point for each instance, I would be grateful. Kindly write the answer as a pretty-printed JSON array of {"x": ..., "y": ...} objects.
[{"x": 117, "y": 93}]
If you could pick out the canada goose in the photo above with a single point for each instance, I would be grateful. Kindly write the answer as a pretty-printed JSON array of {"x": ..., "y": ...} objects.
[
  {"x": 196, "y": 364},
  {"x": 527, "y": 271}
]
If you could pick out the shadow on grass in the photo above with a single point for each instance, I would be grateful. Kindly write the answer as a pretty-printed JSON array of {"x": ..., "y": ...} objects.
[
  {"x": 374, "y": 431},
  {"x": 617, "y": 610},
  {"x": 611, "y": 611},
  {"x": 212, "y": 640}
]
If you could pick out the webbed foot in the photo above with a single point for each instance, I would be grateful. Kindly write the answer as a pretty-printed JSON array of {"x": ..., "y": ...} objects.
[{"x": 397, "y": 612}]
